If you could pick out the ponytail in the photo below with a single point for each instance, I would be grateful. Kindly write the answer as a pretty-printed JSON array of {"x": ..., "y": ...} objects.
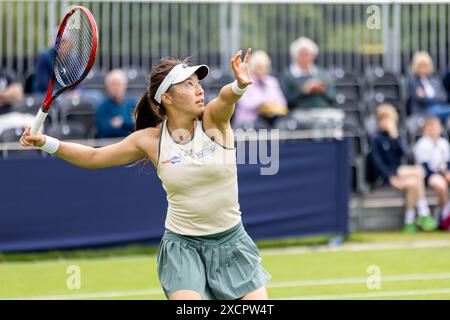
[{"x": 147, "y": 114}]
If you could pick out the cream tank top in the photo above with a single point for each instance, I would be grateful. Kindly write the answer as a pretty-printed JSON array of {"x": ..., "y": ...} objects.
[{"x": 200, "y": 179}]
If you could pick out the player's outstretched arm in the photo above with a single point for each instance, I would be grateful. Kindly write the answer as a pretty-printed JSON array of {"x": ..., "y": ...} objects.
[
  {"x": 117, "y": 154},
  {"x": 221, "y": 108}
]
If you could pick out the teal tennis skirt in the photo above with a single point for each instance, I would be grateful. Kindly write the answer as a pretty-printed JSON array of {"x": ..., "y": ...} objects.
[{"x": 221, "y": 266}]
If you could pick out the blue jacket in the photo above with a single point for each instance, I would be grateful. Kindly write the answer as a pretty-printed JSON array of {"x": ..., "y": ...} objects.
[
  {"x": 446, "y": 84},
  {"x": 43, "y": 70},
  {"x": 419, "y": 105},
  {"x": 109, "y": 109},
  {"x": 386, "y": 155}
]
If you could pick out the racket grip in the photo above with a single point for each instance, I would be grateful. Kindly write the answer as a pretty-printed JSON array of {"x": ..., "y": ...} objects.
[{"x": 38, "y": 121}]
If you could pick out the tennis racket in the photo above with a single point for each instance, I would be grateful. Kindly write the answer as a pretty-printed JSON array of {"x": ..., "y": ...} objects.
[{"x": 73, "y": 56}]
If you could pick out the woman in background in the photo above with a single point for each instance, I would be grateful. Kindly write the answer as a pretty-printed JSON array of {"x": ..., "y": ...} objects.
[
  {"x": 427, "y": 95},
  {"x": 264, "y": 101}
]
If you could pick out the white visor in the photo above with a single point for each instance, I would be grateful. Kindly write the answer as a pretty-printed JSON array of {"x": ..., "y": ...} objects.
[{"x": 178, "y": 74}]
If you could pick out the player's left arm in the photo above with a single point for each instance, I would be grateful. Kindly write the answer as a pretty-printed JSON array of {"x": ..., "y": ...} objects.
[{"x": 220, "y": 109}]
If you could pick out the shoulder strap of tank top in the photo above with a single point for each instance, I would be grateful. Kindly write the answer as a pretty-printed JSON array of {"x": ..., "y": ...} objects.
[{"x": 161, "y": 135}]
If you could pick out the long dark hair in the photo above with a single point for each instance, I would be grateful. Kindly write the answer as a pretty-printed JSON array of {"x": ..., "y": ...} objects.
[{"x": 148, "y": 112}]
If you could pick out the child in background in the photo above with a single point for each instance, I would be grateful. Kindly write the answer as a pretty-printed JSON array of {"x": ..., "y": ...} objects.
[
  {"x": 433, "y": 152},
  {"x": 386, "y": 155}
]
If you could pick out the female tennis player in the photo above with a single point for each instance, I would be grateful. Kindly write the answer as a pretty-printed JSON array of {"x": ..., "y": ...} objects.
[{"x": 205, "y": 251}]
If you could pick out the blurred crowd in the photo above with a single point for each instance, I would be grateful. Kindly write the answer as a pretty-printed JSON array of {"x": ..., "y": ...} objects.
[{"x": 400, "y": 128}]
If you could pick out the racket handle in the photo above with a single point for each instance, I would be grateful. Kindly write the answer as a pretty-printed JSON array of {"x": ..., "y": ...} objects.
[{"x": 38, "y": 121}]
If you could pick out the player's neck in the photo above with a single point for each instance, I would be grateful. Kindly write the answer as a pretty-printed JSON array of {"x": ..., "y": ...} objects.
[{"x": 186, "y": 124}]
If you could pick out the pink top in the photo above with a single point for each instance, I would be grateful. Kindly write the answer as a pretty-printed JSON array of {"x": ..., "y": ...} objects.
[{"x": 265, "y": 90}]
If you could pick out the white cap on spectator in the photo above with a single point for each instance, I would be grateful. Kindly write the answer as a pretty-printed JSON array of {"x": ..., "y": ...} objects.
[{"x": 178, "y": 74}]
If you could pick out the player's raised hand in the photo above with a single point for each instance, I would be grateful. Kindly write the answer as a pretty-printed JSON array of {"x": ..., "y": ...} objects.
[
  {"x": 240, "y": 68},
  {"x": 29, "y": 140}
]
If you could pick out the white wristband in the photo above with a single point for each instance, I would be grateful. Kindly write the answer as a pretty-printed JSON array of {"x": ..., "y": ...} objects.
[
  {"x": 51, "y": 145},
  {"x": 238, "y": 91}
]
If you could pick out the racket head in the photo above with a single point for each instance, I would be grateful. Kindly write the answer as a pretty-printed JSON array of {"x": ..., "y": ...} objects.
[{"x": 74, "y": 52}]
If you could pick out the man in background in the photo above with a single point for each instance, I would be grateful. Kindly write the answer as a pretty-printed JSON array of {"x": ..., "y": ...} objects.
[
  {"x": 11, "y": 92},
  {"x": 114, "y": 114},
  {"x": 306, "y": 85}
]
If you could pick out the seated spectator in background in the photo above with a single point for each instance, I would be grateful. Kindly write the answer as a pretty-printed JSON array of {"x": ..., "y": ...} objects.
[
  {"x": 306, "y": 85},
  {"x": 44, "y": 67},
  {"x": 11, "y": 92},
  {"x": 446, "y": 84},
  {"x": 114, "y": 115},
  {"x": 433, "y": 152},
  {"x": 386, "y": 155},
  {"x": 426, "y": 93},
  {"x": 263, "y": 101},
  {"x": 43, "y": 70}
]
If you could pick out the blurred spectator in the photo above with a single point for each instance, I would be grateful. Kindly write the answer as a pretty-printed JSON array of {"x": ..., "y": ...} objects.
[
  {"x": 426, "y": 92},
  {"x": 11, "y": 91},
  {"x": 306, "y": 85},
  {"x": 433, "y": 152},
  {"x": 263, "y": 100},
  {"x": 387, "y": 152},
  {"x": 43, "y": 70},
  {"x": 44, "y": 66},
  {"x": 446, "y": 84},
  {"x": 114, "y": 115}
]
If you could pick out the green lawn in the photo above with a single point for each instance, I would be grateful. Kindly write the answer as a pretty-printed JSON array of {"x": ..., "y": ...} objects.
[{"x": 409, "y": 273}]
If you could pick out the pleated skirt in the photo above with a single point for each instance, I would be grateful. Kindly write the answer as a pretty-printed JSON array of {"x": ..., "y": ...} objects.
[{"x": 223, "y": 266}]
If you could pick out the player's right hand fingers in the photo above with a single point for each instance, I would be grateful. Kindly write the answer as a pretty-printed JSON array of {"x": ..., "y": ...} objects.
[
  {"x": 24, "y": 143},
  {"x": 27, "y": 131},
  {"x": 27, "y": 140}
]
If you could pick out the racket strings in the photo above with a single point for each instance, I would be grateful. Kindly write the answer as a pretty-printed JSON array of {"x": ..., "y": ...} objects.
[
  {"x": 71, "y": 65},
  {"x": 73, "y": 56},
  {"x": 79, "y": 45},
  {"x": 74, "y": 51},
  {"x": 69, "y": 60}
]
